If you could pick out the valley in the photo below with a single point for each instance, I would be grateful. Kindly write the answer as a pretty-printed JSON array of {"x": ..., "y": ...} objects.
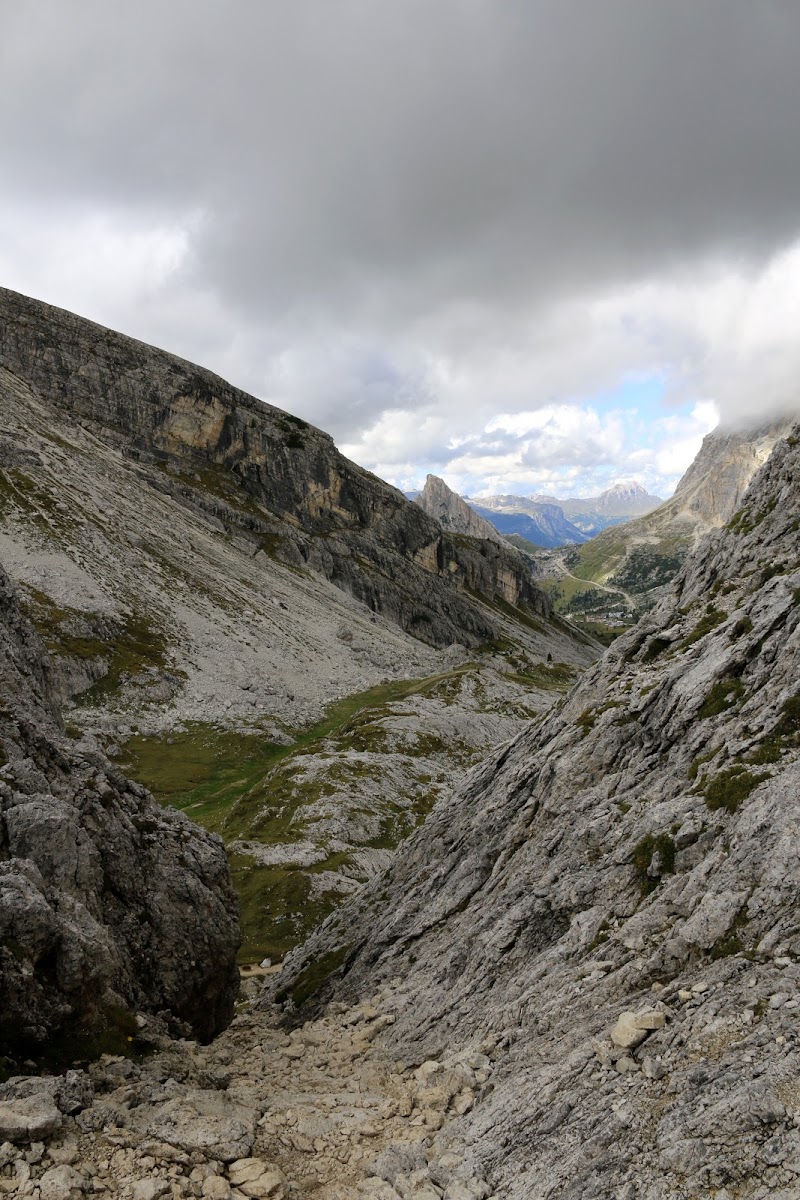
[
  {"x": 219, "y": 647},
  {"x": 530, "y": 906}
]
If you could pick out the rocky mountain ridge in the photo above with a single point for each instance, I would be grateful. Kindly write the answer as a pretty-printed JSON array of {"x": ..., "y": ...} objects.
[
  {"x": 232, "y": 609},
  {"x": 447, "y": 507},
  {"x": 645, "y": 553},
  {"x": 610, "y": 903},
  {"x": 589, "y": 515},
  {"x": 276, "y": 481}
]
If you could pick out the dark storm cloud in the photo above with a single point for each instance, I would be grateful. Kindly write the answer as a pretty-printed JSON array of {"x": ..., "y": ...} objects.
[
  {"x": 400, "y": 218},
  {"x": 385, "y": 159}
]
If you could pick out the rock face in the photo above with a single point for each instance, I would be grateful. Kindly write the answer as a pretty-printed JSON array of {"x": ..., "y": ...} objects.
[
  {"x": 609, "y": 904},
  {"x": 107, "y": 902},
  {"x": 453, "y": 513},
  {"x": 274, "y": 481}
]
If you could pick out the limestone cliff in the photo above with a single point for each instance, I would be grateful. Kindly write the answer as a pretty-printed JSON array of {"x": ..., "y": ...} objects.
[
  {"x": 107, "y": 902},
  {"x": 605, "y": 915},
  {"x": 446, "y": 506}
]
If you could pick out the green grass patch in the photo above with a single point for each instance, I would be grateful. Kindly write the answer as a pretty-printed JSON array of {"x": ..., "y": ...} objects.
[
  {"x": 128, "y": 645},
  {"x": 31, "y": 501},
  {"x": 312, "y": 977},
  {"x": 730, "y": 788},
  {"x": 555, "y": 677},
  {"x": 278, "y": 911},
  {"x": 789, "y": 724},
  {"x": 711, "y": 619},
  {"x": 731, "y": 942},
  {"x": 240, "y": 785},
  {"x": 724, "y": 695}
]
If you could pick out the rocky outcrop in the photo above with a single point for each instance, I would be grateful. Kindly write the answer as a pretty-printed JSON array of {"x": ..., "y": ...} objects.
[
  {"x": 608, "y": 906},
  {"x": 453, "y": 513},
  {"x": 108, "y": 903},
  {"x": 277, "y": 482}
]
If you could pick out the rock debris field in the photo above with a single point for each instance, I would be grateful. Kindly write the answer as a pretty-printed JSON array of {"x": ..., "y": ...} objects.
[{"x": 321, "y": 1111}]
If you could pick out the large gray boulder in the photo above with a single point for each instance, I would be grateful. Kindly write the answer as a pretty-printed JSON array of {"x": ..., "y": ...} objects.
[{"x": 108, "y": 903}]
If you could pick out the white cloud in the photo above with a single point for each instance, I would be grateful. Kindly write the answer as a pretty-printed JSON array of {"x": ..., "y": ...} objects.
[{"x": 453, "y": 241}]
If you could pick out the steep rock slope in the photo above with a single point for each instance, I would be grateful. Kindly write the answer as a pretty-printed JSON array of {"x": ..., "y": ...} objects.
[
  {"x": 106, "y": 900},
  {"x": 608, "y": 907},
  {"x": 279, "y": 483},
  {"x": 446, "y": 506}
]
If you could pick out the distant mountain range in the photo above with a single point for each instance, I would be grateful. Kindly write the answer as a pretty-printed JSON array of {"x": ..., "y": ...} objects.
[
  {"x": 544, "y": 521},
  {"x": 585, "y": 516}
]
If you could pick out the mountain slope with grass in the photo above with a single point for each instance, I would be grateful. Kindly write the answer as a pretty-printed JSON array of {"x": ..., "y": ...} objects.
[{"x": 605, "y": 916}]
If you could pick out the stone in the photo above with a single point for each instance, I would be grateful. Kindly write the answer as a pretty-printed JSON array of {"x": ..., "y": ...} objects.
[
  {"x": 149, "y": 1189},
  {"x": 628, "y": 1033},
  {"x": 29, "y": 1118},
  {"x": 258, "y": 1179},
  {"x": 652, "y": 1068},
  {"x": 650, "y": 1019},
  {"x": 60, "y": 1183},
  {"x": 470, "y": 1189},
  {"x": 216, "y": 1188},
  {"x": 200, "y": 1120}
]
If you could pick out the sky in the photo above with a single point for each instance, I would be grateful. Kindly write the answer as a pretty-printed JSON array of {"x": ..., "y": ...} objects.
[{"x": 526, "y": 245}]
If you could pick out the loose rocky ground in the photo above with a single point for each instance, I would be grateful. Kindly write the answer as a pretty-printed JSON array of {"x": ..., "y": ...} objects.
[{"x": 319, "y": 1112}]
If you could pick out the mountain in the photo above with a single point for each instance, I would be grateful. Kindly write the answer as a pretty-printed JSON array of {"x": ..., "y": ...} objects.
[
  {"x": 453, "y": 513},
  {"x": 543, "y": 524},
  {"x": 589, "y": 515},
  {"x": 602, "y": 924},
  {"x": 646, "y": 552},
  {"x": 254, "y": 628},
  {"x": 621, "y": 500}
]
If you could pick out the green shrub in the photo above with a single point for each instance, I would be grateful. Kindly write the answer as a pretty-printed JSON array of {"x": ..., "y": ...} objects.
[
  {"x": 789, "y": 724},
  {"x": 642, "y": 856},
  {"x": 724, "y": 695},
  {"x": 711, "y": 620},
  {"x": 655, "y": 647}
]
